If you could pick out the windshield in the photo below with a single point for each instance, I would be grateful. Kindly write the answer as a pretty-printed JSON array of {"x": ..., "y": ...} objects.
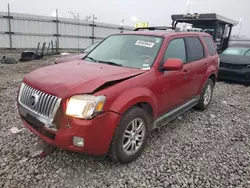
[
  {"x": 91, "y": 47},
  {"x": 135, "y": 51},
  {"x": 239, "y": 51}
]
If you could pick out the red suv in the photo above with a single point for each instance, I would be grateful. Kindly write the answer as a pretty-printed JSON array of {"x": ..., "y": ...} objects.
[{"x": 108, "y": 102}]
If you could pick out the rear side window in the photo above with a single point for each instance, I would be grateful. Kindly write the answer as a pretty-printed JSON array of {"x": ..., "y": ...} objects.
[
  {"x": 210, "y": 45},
  {"x": 176, "y": 49},
  {"x": 195, "y": 49}
]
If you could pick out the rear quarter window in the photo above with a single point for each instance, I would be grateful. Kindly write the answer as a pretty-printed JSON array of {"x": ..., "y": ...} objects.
[
  {"x": 210, "y": 45},
  {"x": 195, "y": 49}
]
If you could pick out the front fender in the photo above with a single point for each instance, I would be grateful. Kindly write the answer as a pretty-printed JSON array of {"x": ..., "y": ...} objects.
[{"x": 132, "y": 97}]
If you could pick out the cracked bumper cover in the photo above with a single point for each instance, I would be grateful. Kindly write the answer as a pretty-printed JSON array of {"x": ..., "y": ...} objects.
[{"x": 97, "y": 133}]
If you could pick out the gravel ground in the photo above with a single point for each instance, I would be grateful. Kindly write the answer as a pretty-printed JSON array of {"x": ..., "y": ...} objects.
[{"x": 198, "y": 149}]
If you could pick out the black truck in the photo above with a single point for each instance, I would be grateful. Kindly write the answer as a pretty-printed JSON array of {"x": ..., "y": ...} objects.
[{"x": 219, "y": 27}]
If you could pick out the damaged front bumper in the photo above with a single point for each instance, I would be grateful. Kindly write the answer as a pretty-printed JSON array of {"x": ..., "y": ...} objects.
[{"x": 97, "y": 133}]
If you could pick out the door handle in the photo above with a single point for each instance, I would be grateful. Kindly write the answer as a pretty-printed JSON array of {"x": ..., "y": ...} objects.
[
  {"x": 185, "y": 72},
  {"x": 206, "y": 65}
]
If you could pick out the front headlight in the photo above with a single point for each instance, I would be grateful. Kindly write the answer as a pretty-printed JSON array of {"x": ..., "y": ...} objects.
[{"x": 85, "y": 106}]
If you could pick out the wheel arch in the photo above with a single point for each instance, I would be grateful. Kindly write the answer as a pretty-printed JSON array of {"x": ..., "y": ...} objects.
[
  {"x": 210, "y": 75},
  {"x": 213, "y": 78}
]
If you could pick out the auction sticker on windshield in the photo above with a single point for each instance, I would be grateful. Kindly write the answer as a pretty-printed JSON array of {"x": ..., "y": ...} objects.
[{"x": 145, "y": 43}]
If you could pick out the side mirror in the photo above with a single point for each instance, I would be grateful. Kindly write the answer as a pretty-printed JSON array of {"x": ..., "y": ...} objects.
[{"x": 172, "y": 64}]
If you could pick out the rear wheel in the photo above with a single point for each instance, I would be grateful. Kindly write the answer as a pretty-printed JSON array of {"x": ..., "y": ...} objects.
[
  {"x": 130, "y": 137},
  {"x": 206, "y": 96}
]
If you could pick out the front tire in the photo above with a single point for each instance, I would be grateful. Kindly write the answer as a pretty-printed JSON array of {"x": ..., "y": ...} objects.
[
  {"x": 206, "y": 96},
  {"x": 131, "y": 136}
]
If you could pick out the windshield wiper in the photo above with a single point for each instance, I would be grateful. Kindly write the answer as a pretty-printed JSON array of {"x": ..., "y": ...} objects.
[
  {"x": 106, "y": 62},
  {"x": 110, "y": 63},
  {"x": 91, "y": 58}
]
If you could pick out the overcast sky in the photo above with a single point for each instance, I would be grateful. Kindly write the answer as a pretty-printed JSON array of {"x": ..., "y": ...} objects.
[{"x": 156, "y": 12}]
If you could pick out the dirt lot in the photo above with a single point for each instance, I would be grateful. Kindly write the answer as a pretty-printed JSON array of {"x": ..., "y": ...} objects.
[{"x": 198, "y": 149}]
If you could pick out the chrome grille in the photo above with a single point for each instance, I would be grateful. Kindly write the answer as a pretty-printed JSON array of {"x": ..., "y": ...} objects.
[{"x": 40, "y": 103}]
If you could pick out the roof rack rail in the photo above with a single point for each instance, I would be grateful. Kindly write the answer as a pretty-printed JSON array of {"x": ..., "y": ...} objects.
[{"x": 155, "y": 28}]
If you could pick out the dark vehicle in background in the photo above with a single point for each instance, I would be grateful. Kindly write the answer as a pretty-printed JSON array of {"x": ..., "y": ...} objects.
[
  {"x": 219, "y": 27},
  {"x": 75, "y": 56},
  {"x": 235, "y": 63}
]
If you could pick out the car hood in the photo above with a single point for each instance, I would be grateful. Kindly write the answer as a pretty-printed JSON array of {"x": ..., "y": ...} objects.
[
  {"x": 234, "y": 59},
  {"x": 69, "y": 57},
  {"x": 67, "y": 79}
]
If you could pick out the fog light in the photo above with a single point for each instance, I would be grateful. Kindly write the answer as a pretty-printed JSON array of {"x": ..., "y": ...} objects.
[{"x": 78, "y": 141}]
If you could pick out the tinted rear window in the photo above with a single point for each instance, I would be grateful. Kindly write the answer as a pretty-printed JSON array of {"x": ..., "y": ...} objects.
[
  {"x": 210, "y": 45},
  {"x": 194, "y": 49}
]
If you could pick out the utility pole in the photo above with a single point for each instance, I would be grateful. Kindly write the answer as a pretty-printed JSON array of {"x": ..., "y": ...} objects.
[
  {"x": 77, "y": 17},
  {"x": 188, "y": 7},
  {"x": 57, "y": 32},
  {"x": 134, "y": 20},
  {"x": 122, "y": 24},
  {"x": 9, "y": 27},
  {"x": 240, "y": 27},
  {"x": 93, "y": 27},
  {"x": 87, "y": 18}
]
